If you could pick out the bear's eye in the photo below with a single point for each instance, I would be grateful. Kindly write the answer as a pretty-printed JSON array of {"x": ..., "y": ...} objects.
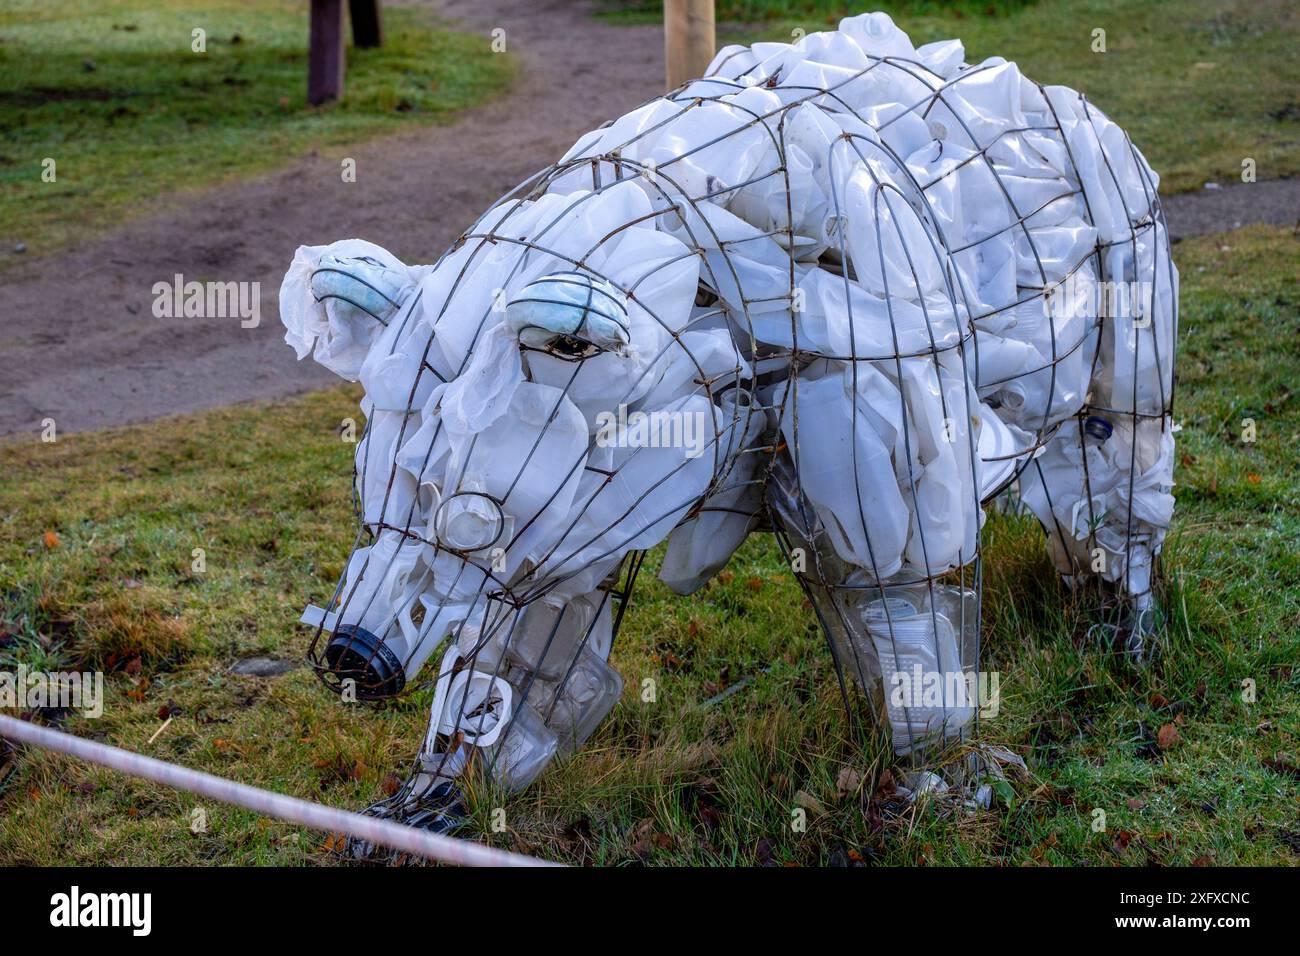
[{"x": 568, "y": 346}]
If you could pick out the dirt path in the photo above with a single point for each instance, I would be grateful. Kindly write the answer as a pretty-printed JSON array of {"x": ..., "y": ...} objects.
[
  {"x": 78, "y": 339},
  {"x": 79, "y": 342}
]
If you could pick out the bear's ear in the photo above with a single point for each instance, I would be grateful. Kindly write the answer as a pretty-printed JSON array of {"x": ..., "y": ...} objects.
[
  {"x": 360, "y": 283},
  {"x": 336, "y": 299},
  {"x": 570, "y": 315}
]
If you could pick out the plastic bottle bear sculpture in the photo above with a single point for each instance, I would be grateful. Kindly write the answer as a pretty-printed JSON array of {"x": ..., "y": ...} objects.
[{"x": 845, "y": 289}]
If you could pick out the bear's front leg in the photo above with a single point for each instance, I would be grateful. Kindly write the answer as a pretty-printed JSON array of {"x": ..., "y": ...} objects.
[{"x": 1102, "y": 488}]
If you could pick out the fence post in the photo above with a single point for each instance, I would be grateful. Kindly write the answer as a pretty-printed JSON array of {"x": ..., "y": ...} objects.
[
  {"x": 367, "y": 23},
  {"x": 689, "y": 39},
  {"x": 325, "y": 62}
]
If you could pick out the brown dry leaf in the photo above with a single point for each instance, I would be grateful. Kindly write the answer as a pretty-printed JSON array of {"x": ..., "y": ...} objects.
[
  {"x": 886, "y": 785},
  {"x": 1283, "y": 766},
  {"x": 848, "y": 781},
  {"x": 803, "y": 798},
  {"x": 1167, "y": 737},
  {"x": 645, "y": 838},
  {"x": 1135, "y": 804},
  {"x": 754, "y": 584},
  {"x": 726, "y": 577},
  {"x": 50, "y": 540}
]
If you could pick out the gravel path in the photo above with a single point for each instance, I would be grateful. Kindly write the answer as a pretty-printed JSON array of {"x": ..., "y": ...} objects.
[{"x": 78, "y": 338}]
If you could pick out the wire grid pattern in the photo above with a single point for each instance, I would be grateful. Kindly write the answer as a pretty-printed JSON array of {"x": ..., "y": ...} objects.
[{"x": 754, "y": 446}]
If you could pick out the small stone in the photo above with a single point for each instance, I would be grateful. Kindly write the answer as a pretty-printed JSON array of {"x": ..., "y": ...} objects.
[{"x": 263, "y": 667}]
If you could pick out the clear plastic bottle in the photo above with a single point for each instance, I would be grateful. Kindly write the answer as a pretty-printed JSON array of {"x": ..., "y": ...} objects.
[
  {"x": 575, "y": 706},
  {"x": 523, "y": 750},
  {"x": 920, "y": 663}
]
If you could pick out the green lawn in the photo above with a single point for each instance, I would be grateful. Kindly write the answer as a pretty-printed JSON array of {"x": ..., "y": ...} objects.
[
  {"x": 263, "y": 489},
  {"x": 112, "y": 91},
  {"x": 1199, "y": 85}
]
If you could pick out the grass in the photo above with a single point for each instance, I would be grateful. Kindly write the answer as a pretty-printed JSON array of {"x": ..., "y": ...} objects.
[
  {"x": 112, "y": 91},
  {"x": 1200, "y": 85},
  {"x": 263, "y": 490}
]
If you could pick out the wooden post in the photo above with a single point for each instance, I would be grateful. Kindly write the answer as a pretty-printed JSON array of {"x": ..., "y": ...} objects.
[
  {"x": 325, "y": 61},
  {"x": 367, "y": 23},
  {"x": 689, "y": 39}
]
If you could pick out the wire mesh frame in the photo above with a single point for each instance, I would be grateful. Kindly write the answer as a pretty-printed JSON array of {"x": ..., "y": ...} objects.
[{"x": 797, "y": 524}]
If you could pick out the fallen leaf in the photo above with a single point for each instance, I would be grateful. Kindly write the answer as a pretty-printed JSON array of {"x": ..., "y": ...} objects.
[
  {"x": 646, "y": 838},
  {"x": 848, "y": 781},
  {"x": 886, "y": 785},
  {"x": 1167, "y": 737},
  {"x": 1282, "y": 766},
  {"x": 803, "y": 798},
  {"x": 51, "y": 540},
  {"x": 1135, "y": 804}
]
